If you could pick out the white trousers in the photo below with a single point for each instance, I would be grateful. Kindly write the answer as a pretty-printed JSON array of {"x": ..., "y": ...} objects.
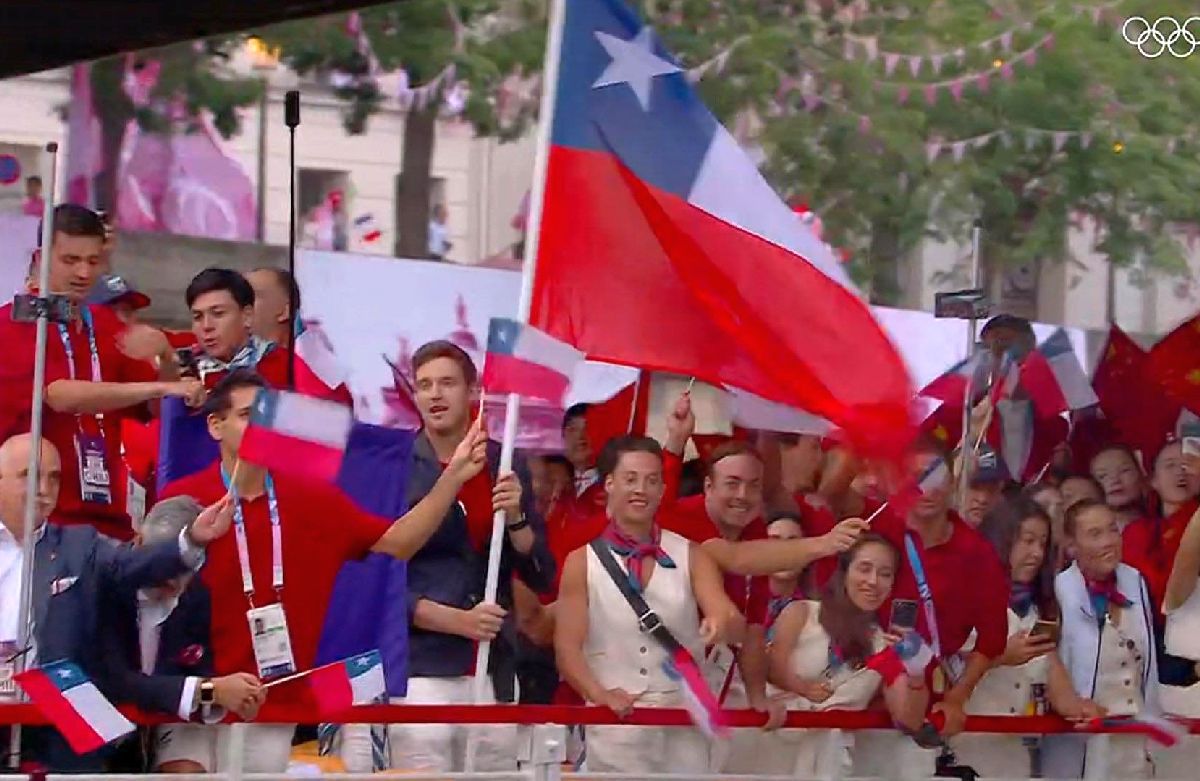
[
  {"x": 648, "y": 749},
  {"x": 439, "y": 748},
  {"x": 268, "y": 747}
]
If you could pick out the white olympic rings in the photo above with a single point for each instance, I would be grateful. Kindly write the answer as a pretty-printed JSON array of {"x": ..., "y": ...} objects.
[{"x": 1152, "y": 42}]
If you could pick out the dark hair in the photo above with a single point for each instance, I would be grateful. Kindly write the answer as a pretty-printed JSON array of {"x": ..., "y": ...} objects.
[
  {"x": 1087, "y": 479},
  {"x": 786, "y": 515},
  {"x": 633, "y": 443},
  {"x": 220, "y": 398},
  {"x": 1117, "y": 447},
  {"x": 431, "y": 351},
  {"x": 288, "y": 283},
  {"x": 1013, "y": 323},
  {"x": 1002, "y": 526},
  {"x": 71, "y": 219},
  {"x": 691, "y": 478},
  {"x": 214, "y": 279},
  {"x": 34, "y": 178},
  {"x": 557, "y": 459},
  {"x": 1071, "y": 517},
  {"x": 734, "y": 447},
  {"x": 575, "y": 411},
  {"x": 850, "y": 629},
  {"x": 606, "y": 458}
]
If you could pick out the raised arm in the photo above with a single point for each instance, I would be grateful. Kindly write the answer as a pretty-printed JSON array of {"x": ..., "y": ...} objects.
[
  {"x": 409, "y": 533},
  {"x": 766, "y": 557},
  {"x": 1186, "y": 570}
]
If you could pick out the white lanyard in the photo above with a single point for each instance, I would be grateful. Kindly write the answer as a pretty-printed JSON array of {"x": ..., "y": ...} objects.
[
  {"x": 85, "y": 315},
  {"x": 243, "y": 547}
]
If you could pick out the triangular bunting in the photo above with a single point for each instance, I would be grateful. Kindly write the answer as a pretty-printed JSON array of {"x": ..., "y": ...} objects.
[
  {"x": 956, "y": 89},
  {"x": 983, "y": 81},
  {"x": 1060, "y": 138},
  {"x": 914, "y": 65},
  {"x": 936, "y": 61},
  {"x": 1006, "y": 41},
  {"x": 889, "y": 63},
  {"x": 932, "y": 150},
  {"x": 957, "y": 149},
  {"x": 931, "y": 94}
]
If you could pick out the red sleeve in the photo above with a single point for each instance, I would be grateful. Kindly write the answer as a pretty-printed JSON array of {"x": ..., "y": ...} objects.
[
  {"x": 672, "y": 474},
  {"x": 16, "y": 377},
  {"x": 689, "y": 519},
  {"x": 357, "y": 529},
  {"x": 1149, "y": 556},
  {"x": 991, "y": 602},
  {"x": 814, "y": 521}
]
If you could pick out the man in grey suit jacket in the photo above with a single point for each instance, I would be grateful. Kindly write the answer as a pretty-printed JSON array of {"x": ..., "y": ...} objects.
[{"x": 70, "y": 563}]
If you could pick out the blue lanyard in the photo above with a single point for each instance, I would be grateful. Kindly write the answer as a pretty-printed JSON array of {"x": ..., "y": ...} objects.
[
  {"x": 914, "y": 561},
  {"x": 89, "y": 327},
  {"x": 243, "y": 546}
]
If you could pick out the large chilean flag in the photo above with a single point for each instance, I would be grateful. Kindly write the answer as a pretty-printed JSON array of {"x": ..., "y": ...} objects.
[{"x": 662, "y": 246}]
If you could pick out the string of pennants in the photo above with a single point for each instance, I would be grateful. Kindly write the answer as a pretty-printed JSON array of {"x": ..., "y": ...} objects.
[
  {"x": 867, "y": 46},
  {"x": 1032, "y": 137}
]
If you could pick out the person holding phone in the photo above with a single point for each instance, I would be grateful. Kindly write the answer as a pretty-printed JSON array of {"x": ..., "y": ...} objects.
[
  {"x": 1020, "y": 531},
  {"x": 820, "y": 656}
]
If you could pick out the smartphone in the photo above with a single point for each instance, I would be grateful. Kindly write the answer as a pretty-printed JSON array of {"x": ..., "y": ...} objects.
[
  {"x": 187, "y": 360},
  {"x": 1048, "y": 629},
  {"x": 904, "y": 616}
]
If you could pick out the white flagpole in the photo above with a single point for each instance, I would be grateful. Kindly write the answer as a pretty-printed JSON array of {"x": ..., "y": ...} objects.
[
  {"x": 533, "y": 229},
  {"x": 24, "y": 616},
  {"x": 964, "y": 476}
]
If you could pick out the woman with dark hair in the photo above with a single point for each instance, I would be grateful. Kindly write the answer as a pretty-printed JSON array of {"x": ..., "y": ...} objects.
[
  {"x": 820, "y": 656},
  {"x": 1119, "y": 472},
  {"x": 1020, "y": 531}
]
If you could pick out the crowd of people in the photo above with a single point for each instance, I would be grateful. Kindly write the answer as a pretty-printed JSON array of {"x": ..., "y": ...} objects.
[{"x": 783, "y": 571}]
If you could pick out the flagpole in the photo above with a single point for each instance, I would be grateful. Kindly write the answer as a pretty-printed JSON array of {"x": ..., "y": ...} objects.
[
  {"x": 964, "y": 477},
  {"x": 512, "y": 409},
  {"x": 33, "y": 480}
]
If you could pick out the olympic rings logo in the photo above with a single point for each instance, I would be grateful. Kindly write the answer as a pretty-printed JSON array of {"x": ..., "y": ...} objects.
[{"x": 1151, "y": 41}]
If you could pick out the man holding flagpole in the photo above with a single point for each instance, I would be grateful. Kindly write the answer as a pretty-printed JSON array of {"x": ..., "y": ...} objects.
[
  {"x": 446, "y": 611},
  {"x": 271, "y": 580}
]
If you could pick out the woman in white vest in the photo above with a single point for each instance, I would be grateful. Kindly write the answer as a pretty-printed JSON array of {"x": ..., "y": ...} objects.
[
  {"x": 1107, "y": 650},
  {"x": 600, "y": 648},
  {"x": 818, "y": 656},
  {"x": 1182, "y": 607},
  {"x": 1020, "y": 531}
]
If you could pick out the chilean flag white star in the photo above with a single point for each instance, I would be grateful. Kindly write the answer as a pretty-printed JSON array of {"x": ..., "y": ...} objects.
[{"x": 634, "y": 63}]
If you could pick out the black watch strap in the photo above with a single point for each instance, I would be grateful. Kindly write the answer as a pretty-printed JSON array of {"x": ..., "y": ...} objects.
[{"x": 519, "y": 525}]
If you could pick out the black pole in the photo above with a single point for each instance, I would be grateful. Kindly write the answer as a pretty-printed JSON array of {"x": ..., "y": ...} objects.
[{"x": 291, "y": 117}]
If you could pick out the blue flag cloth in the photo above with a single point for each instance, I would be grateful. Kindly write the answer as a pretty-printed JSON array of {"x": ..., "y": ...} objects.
[
  {"x": 374, "y": 475},
  {"x": 184, "y": 444}
]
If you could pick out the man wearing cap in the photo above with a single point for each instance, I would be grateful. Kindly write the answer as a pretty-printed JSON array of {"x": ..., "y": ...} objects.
[
  {"x": 155, "y": 652},
  {"x": 986, "y": 486},
  {"x": 115, "y": 292}
]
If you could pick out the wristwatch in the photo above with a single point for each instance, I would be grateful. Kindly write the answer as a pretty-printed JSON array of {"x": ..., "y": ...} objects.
[
  {"x": 208, "y": 693},
  {"x": 521, "y": 523}
]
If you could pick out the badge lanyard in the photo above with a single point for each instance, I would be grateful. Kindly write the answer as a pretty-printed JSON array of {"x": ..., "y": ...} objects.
[
  {"x": 926, "y": 594},
  {"x": 85, "y": 314},
  {"x": 243, "y": 547}
]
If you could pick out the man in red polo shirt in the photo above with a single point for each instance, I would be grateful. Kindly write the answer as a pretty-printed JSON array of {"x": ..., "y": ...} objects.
[
  {"x": 316, "y": 528},
  {"x": 952, "y": 557},
  {"x": 221, "y": 302},
  {"x": 97, "y": 370}
]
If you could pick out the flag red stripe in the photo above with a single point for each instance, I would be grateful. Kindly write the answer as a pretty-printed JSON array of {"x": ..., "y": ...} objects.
[
  {"x": 55, "y": 707},
  {"x": 504, "y": 373},
  {"x": 331, "y": 687},
  {"x": 301, "y": 458},
  {"x": 1041, "y": 385},
  {"x": 633, "y": 275}
]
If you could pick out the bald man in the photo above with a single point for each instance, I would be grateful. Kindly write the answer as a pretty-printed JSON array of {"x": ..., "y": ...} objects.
[{"x": 71, "y": 563}]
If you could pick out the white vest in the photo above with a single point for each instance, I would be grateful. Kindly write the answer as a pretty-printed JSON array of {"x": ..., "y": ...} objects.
[
  {"x": 619, "y": 654},
  {"x": 1081, "y": 630},
  {"x": 1006, "y": 690}
]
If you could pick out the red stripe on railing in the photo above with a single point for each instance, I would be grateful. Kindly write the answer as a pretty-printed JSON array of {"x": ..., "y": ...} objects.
[{"x": 573, "y": 714}]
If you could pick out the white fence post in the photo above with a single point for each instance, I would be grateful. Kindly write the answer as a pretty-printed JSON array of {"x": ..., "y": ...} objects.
[
  {"x": 1098, "y": 749},
  {"x": 832, "y": 748},
  {"x": 541, "y": 750},
  {"x": 236, "y": 757}
]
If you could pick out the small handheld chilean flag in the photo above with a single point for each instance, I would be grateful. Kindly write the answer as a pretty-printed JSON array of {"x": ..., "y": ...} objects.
[
  {"x": 297, "y": 434},
  {"x": 367, "y": 228},
  {"x": 355, "y": 681},
  {"x": 1162, "y": 730},
  {"x": 527, "y": 362},
  {"x": 701, "y": 704},
  {"x": 74, "y": 705}
]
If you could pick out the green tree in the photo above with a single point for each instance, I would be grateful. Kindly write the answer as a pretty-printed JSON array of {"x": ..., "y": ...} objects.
[
  {"x": 486, "y": 41},
  {"x": 845, "y": 138}
]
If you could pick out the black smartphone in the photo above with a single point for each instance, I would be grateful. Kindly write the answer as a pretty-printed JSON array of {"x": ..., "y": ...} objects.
[
  {"x": 187, "y": 361},
  {"x": 904, "y": 616},
  {"x": 1048, "y": 629}
]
